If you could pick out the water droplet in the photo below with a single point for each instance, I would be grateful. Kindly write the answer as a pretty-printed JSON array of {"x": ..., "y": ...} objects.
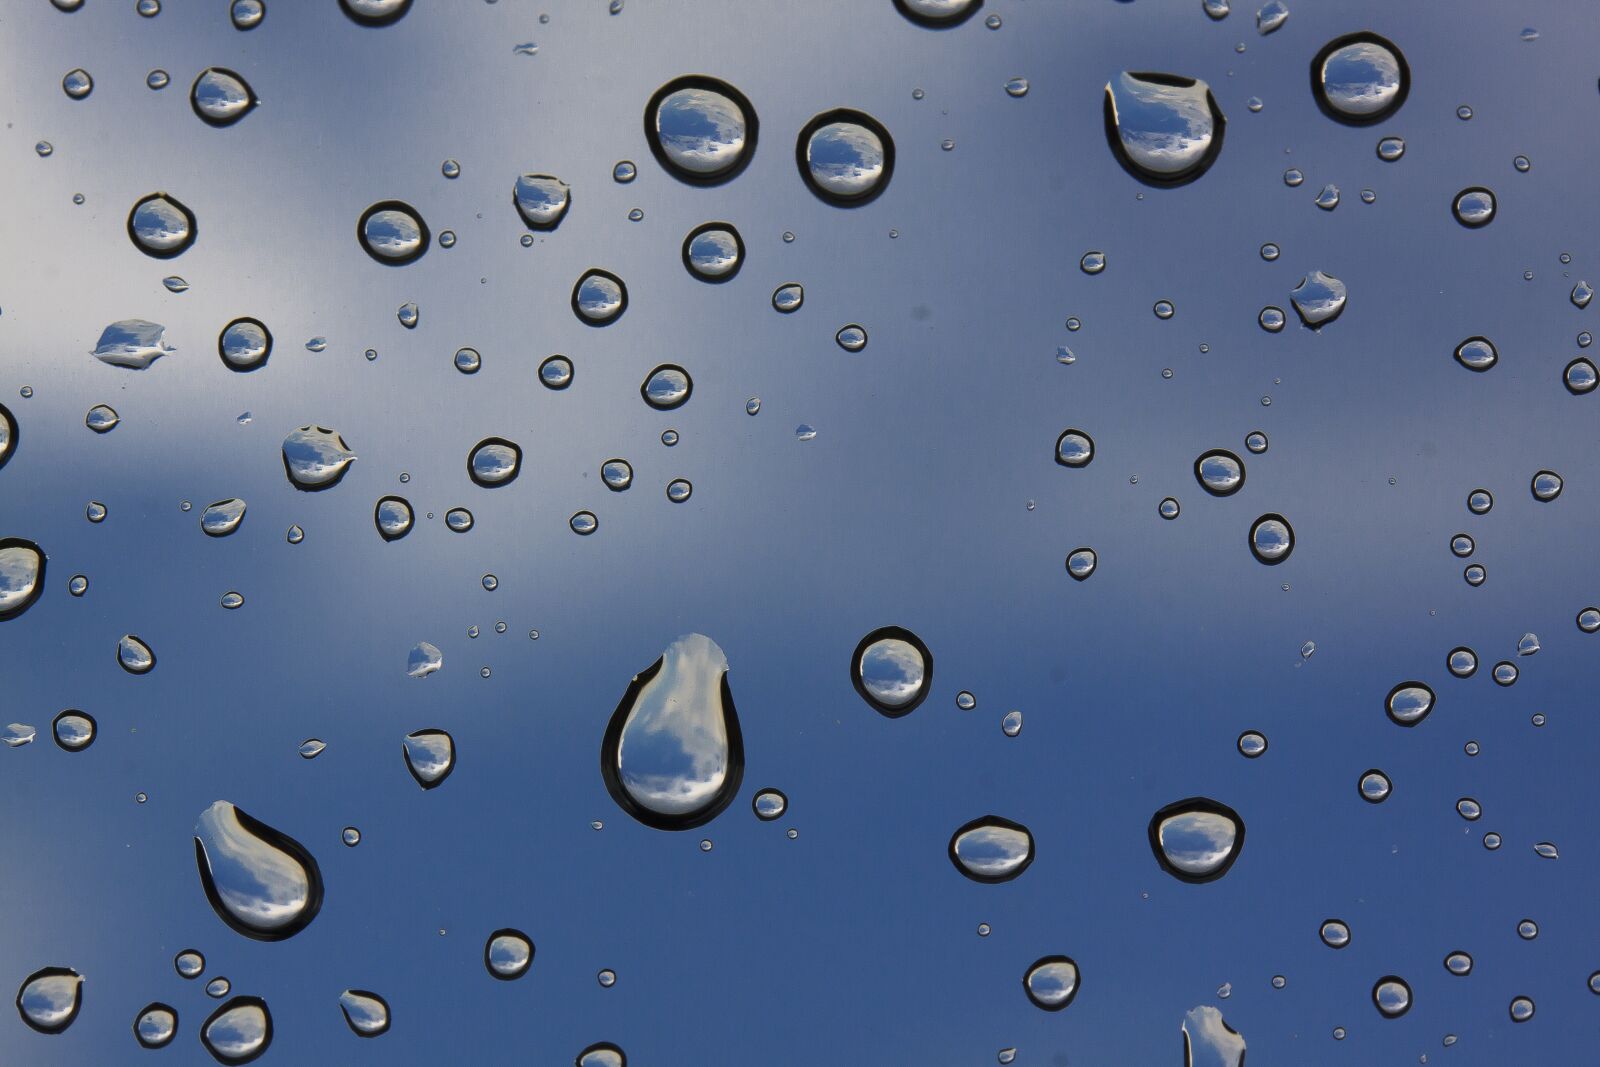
[
  {"x": 1462, "y": 662},
  {"x": 1017, "y": 87},
  {"x": 673, "y": 755},
  {"x": 375, "y": 12},
  {"x": 1269, "y": 251},
  {"x": 1271, "y": 539},
  {"x": 95, "y": 512},
  {"x": 78, "y": 585},
  {"x": 244, "y": 344},
  {"x": 77, "y": 83},
  {"x": 131, "y": 343},
  {"x": 366, "y": 1013},
  {"x": 161, "y": 227},
  {"x": 247, "y": 14},
  {"x": 1254, "y": 105},
  {"x": 1209, "y": 1040},
  {"x": 1272, "y": 15},
  {"x": 156, "y": 1025},
  {"x": 1475, "y": 207},
  {"x": 447, "y": 239},
  {"x": 1219, "y": 472},
  {"x": 1074, "y": 448},
  {"x": 991, "y": 849},
  {"x": 1319, "y": 299},
  {"x": 508, "y": 954},
  {"x": 1293, "y": 177},
  {"x": 74, "y": 730},
  {"x": 1491, "y": 841},
  {"x": 1361, "y": 79},
  {"x": 1081, "y": 563},
  {"x": 788, "y": 297},
  {"x": 393, "y": 233},
  {"x": 1271, "y": 318},
  {"x": 1391, "y": 996},
  {"x": 1374, "y": 786},
  {"x": 541, "y": 199},
  {"x": 892, "y": 670},
  {"x": 1196, "y": 840},
  {"x": 583, "y": 523},
  {"x": 1169, "y": 508},
  {"x": 316, "y": 458},
  {"x": 1328, "y": 198},
  {"x": 102, "y": 418},
  {"x": 1546, "y": 486},
  {"x": 714, "y": 252},
  {"x": 134, "y": 656},
  {"x": 1051, "y": 982},
  {"x": 1163, "y": 309},
  {"x": 1521, "y": 1009},
  {"x": 1335, "y": 933},
  {"x": 1163, "y": 129},
  {"x": 351, "y": 836},
  {"x": 1469, "y": 809},
  {"x": 1252, "y": 744},
  {"x": 1011, "y": 724},
  {"x": 1505, "y": 673},
  {"x": 599, "y": 297},
  {"x": 221, "y": 97},
  {"x": 1580, "y": 377},
  {"x": 49, "y": 999},
  {"x": 624, "y": 172},
  {"x": 700, "y": 129},
  {"x": 393, "y": 517},
  {"x": 679, "y": 490},
  {"x": 17, "y": 734},
  {"x": 296, "y": 535},
  {"x": 223, "y": 517},
  {"x": 846, "y": 157},
  {"x": 468, "y": 361},
  {"x": 604, "y": 1054},
  {"x": 556, "y": 372},
  {"x": 1477, "y": 354},
  {"x": 1217, "y": 9},
  {"x": 262, "y": 883},
  {"x": 241, "y": 1029},
  {"x": 851, "y": 337},
  {"x": 494, "y": 462},
  {"x": 667, "y": 387},
  {"x": 1589, "y": 620},
  {"x": 218, "y": 988}
]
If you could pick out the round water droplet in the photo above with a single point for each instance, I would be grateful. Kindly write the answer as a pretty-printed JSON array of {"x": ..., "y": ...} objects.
[
  {"x": 351, "y": 836},
  {"x": 938, "y": 14},
  {"x": 1196, "y": 840},
  {"x": 1474, "y": 574},
  {"x": 1269, "y": 252},
  {"x": 239, "y": 1031},
  {"x": 218, "y": 988},
  {"x": 247, "y": 14},
  {"x": 769, "y": 804},
  {"x": 74, "y": 730},
  {"x": 1374, "y": 786},
  {"x": 1271, "y": 539},
  {"x": 316, "y": 458},
  {"x": 508, "y": 954},
  {"x": 221, "y": 97},
  {"x": 1458, "y": 964},
  {"x": 134, "y": 656},
  {"x": 1319, "y": 299},
  {"x": 1409, "y": 703},
  {"x": 1589, "y": 620},
  {"x": 541, "y": 199},
  {"x": 494, "y": 462},
  {"x": 244, "y": 344},
  {"x": 1256, "y": 442},
  {"x": 1521, "y": 1009},
  {"x": 700, "y": 129},
  {"x": 788, "y": 297},
  {"x": 1011, "y": 723},
  {"x": 77, "y": 83},
  {"x": 393, "y": 233},
  {"x": 1580, "y": 377},
  {"x": 1017, "y": 87},
  {"x": 1051, "y": 982},
  {"x": 1474, "y": 207},
  {"x": 1081, "y": 563},
  {"x": 599, "y": 298},
  {"x": 1546, "y": 486},
  {"x": 1271, "y": 318},
  {"x": 991, "y": 849},
  {"x": 102, "y": 418},
  {"x": 583, "y": 523},
  {"x": 1074, "y": 448},
  {"x": 1219, "y": 472},
  {"x": 1163, "y": 129},
  {"x": 78, "y": 585},
  {"x": 1477, "y": 353},
  {"x": 1505, "y": 673},
  {"x": 1335, "y": 933},
  {"x": 1462, "y": 662},
  {"x": 1252, "y": 744},
  {"x": 223, "y": 517},
  {"x": 1479, "y": 501},
  {"x": 555, "y": 372},
  {"x": 1527, "y": 929},
  {"x": 679, "y": 490},
  {"x": 262, "y": 883},
  {"x": 845, "y": 157},
  {"x": 1163, "y": 309},
  {"x": 672, "y": 755},
  {"x": 1092, "y": 262},
  {"x": 604, "y": 1054},
  {"x": 375, "y": 12},
  {"x": 667, "y": 387},
  {"x": 1360, "y": 79},
  {"x": 1391, "y": 996},
  {"x": 1391, "y": 149},
  {"x": 156, "y": 1025},
  {"x": 189, "y": 963},
  {"x": 966, "y": 701},
  {"x": 468, "y": 361},
  {"x": 714, "y": 252},
  {"x": 393, "y": 517},
  {"x": 161, "y": 227},
  {"x": 892, "y": 670},
  {"x": 49, "y": 999},
  {"x": 1169, "y": 508}
]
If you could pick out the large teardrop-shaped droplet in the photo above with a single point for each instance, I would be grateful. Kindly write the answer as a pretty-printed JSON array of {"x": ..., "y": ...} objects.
[
  {"x": 1163, "y": 129},
  {"x": 316, "y": 458},
  {"x": 21, "y": 575},
  {"x": 430, "y": 756},
  {"x": 1196, "y": 840},
  {"x": 1208, "y": 1040},
  {"x": 542, "y": 200},
  {"x": 8, "y": 435},
  {"x": 49, "y": 999},
  {"x": 366, "y": 1013},
  {"x": 161, "y": 226},
  {"x": 892, "y": 670},
  {"x": 262, "y": 883},
  {"x": 134, "y": 655},
  {"x": 239, "y": 1031},
  {"x": 991, "y": 849},
  {"x": 221, "y": 97},
  {"x": 673, "y": 755}
]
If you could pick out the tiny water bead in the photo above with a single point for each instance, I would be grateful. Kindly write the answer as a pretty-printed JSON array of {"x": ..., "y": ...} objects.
[
  {"x": 788, "y": 297},
  {"x": 157, "y": 80},
  {"x": 156, "y": 1025},
  {"x": 1219, "y": 472},
  {"x": 1271, "y": 539},
  {"x": 221, "y": 97},
  {"x": 508, "y": 954},
  {"x": 752, "y": 406},
  {"x": 624, "y": 172},
  {"x": 1081, "y": 563},
  {"x": 991, "y": 849},
  {"x": 1479, "y": 501},
  {"x": 351, "y": 836},
  {"x": 892, "y": 670},
  {"x": 1475, "y": 574},
  {"x": 316, "y": 458},
  {"x": 1477, "y": 354},
  {"x": 161, "y": 226},
  {"x": 1051, "y": 982},
  {"x": 541, "y": 199},
  {"x": 218, "y": 988},
  {"x": 173, "y": 283},
  {"x": 78, "y": 585},
  {"x": 607, "y": 978},
  {"x": 95, "y": 512},
  {"x": 1409, "y": 703},
  {"x": 1527, "y": 929},
  {"x": 295, "y": 535},
  {"x": 1391, "y": 995},
  {"x": 77, "y": 83},
  {"x": 966, "y": 701},
  {"x": 1252, "y": 744},
  {"x": 74, "y": 730},
  {"x": 239, "y": 1031},
  {"x": 1474, "y": 207},
  {"x": 1462, "y": 662},
  {"x": 845, "y": 157},
  {"x": 599, "y": 298},
  {"x": 393, "y": 517},
  {"x": 1360, "y": 79},
  {"x": 392, "y": 233},
  {"x": 1491, "y": 841},
  {"x": 244, "y": 344},
  {"x": 851, "y": 337},
  {"x": 555, "y": 373},
  {"x": 713, "y": 252},
  {"x": 1374, "y": 786},
  {"x": 679, "y": 490},
  {"x": 1319, "y": 299},
  {"x": 1074, "y": 448},
  {"x": 49, "y": 999},
  {"x": 366, "y": 1013},
  {"x": 1163, "y": 128},
  {"x": 1217, "y": 9},
  {"x": 1256, "y": 442},
  {"x": 134, "y": 656},
  {"x": 1335, "y": 933},
  {"x": 260, "y": 882},
  {"x": 667, "y": 387},
  {"x": 494, "y": 462},
  {"x": 1580, "y": 376},
  {"x": 1546, "y": 486},
  {"x": 1196, "y": 840}
]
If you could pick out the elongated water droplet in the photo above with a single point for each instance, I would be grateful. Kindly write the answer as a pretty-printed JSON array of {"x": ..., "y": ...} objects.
[
  {"x": 713, "y": 251},
  {"x": 599, "y": 298},
  {"x": 247, "y": 14},
  {"x": 1272, "y": 15},
  {"x": 1196, "y": 840},
  {"x": 583, "y": 523},
  {"x": 542, "y": 200},
  {"x": 1011, "y": 723},
  {"x": 846, "y": 157},
  {"x": 375, "y": 12},
  {"x": 312, "y": 747},
  {"x": 852, "y": 337},
  {"x": 132, "y": 343},
  {"x": 788, "y": 297},
  {"x": 1361, "y": 79},
  {"x": 261, "y": 882},
  {"x": 221, "y": 97},
  {"x": 1477, "y": 354},
  {"x": 366, "y": 1013},
  {"x": 239, "y": 1031},
  {"x": 218, "y": 988},
  {"x": 1458, "y": 964},
  {"x": 1392, "y": 996},
  {"x": 223, "y": 517},
  {"x": 22, "y": 566},
  {"x": 430, "y": 756},
  {"x": 991, "y": 849},
  {"x": 1051, "y": 982},
  {"x": 161, "y": 226},
  {"x": 1164, "y": 129},
  {"x": 156, "y": 1025},
  {"x": 673, "y": 755},
  {"x": 1319, "y": 299},
  {"x": 1251, "y": 744},
  {"x": 49, "y": 999},
  {"x": 17, "y": 734},
  {"x": 102, "y": 418},
  {"x": 244, "y": 344},
  {"x": 700, "y": 129},
  {"x": 392, "y": 232},
  {"x": 1208, "y": 1040},
  {"x": 508, "y": 954},
  {"x": 938, "y": 14},
  {"x": 892, "y": 670},
  {"x": 134, "y": 656},
  {"x": 1546, "y": 850}
]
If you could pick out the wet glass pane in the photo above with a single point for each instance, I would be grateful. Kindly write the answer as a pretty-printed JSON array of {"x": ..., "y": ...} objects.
[{"x": 887, "y": 531}]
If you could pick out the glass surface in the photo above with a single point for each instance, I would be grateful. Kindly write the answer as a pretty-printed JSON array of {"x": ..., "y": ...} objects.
[{"x": 1018, "y": 275}]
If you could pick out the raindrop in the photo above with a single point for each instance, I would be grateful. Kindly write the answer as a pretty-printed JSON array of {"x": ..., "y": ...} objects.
[
  {"x": 1360, "y": 79},
  {"x": 1582, "y": 293},
  {"x": 49, "y": 999},
  {"x": 223, "y": 517},
  {"x": 1475, "y": 207},
  {"x": 1589, "y": 620},
  {"x": 1011, "y": 724},
  {"x": 599, "y": 297},
  {"x": 1521, "y": 1009},
  {"x": 1169, "y": 508},
  {"x": 508, "y": 954},
  {"x": 892, "y": 670},
  {"x": 938, "y": 14},
  {"x": 247, "y": 14},
  {"x": 218, "y": 988},
  {"x": 1391, "y": 996},
  {"x": 1271, "y": 539},
  {"x": 1580, "y": 376},
  {"x": 679, "y": 490},
  {"x": 1051, "y": 982},
  {"x": 1074, "y": 448},
  {"x": 604, "y": 1054},
  {"x": 1208, "y": 1039},
  {"x": 1092, "y": 262},
  {"x": 102, "y": 418},
  {"x": 408, "y": 315},
  {"x": 1335, "y": 933},
  {"x": 175, "y": 284},
  {"x": 262, "y": 883},
  {"x": 155, "y": 1026},
  {"x": 18, "y": 734},
  {"x": 494, "y": 462},
  {"x": 468, "y": 361},
  {"x": 1479, "y": 501},
  {"x": 1252, "y": 744},
  {"x": 316, "y": 458},
  {"x": 1546, "y": 486},
  {"x": 788, "y": 297},
  {"x": 667, "y": 387},
  {"x": 851, "y": 337},
  {"x": 1375, "y": 786},
  {"x": 393, "y": 233},
  {"x": 556, "y": 372},
  {"x": 161, "y": 227},
  {"x": 74, "y": 730},
  {"x": 77, "y": 83},
  {"x": 244, "y": 344},
  {"x": 1271, "y": 318},
  {"x": 1272, "y": 15},
  {"x": 1219, "y": 472},
  {"x": 1081, "y": 563},
  {"x": 1163, "y": 129},
  {"x": 1505, "y": 673},
  {"x": 241, "y": 1029},
  {"x": 1477, "y": 353},
  {"x": 350, "y": 836},
  {"x": 541, "y": 199},
  {"x": 1462, "y": 662},
  {"x": 1292, "y": 177},
  {"x": 134, "y": 656},
  {"x": 845, "y": 157},
  {"x": 221, "y": 97},
  {"x": 1017, "y": 87},
  {"x": 991, "y": 849},
  {"x": 714, "y": 252},
  {"x": 366, "y": 1013},
  {"x": 393, "y": 517},
  {"x": 311, "y": 748},
  {"x": 1328, "y": 198},
  {"x": 1196, "y": 840},
  {"x": 583, "y": 523},
  {"x": 700, "y": 129}
]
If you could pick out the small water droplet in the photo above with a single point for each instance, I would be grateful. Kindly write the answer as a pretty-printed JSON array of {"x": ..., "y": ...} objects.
[
  {"x": 788, "y": 297},
  {"x": 667, "y": 387},
  {"x": 262, "y": 883},
  {"x": 77, "y": 83},
  {"x": 555, "y": 372},
  {"x": 1196, "y": 840},
  {"x": 130, "y": 343},
  {"x": 508, "y": 954},
  {"x": 1391, "y": 996},
  {"x": 221, "y": 97},
  {"x": 1546, "y": 486},
  {"x": 599, "y": 297},
  {"x": 1474, "y": 207},
  {"x": 700, "y": 129},
  {"x": 714, "y": 252},
  {"x": 851, "y": 337},
  {"x": 316, "y": 458}
]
